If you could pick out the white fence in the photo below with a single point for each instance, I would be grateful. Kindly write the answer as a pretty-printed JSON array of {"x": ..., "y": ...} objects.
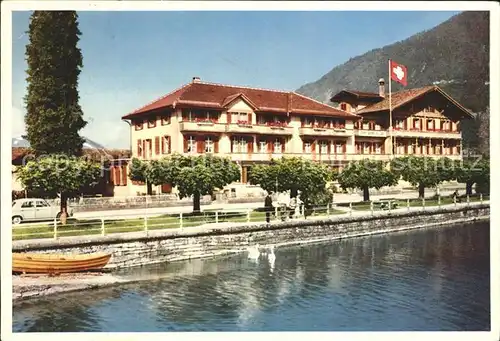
[{"x": 211, "y": 218}]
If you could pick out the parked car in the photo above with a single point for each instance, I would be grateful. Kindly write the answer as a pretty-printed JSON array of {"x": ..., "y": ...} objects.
[{"x": 34, "y": 209}]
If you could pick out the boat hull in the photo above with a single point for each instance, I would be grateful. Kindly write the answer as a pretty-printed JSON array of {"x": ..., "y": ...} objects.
[{"x": 54, "y": 264}]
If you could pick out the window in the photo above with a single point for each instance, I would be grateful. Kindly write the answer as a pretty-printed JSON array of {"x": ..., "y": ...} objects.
[
  {"x": 378, "y": 148},
  {"x": 165, "y": 145},
  {"x": 239, "y": 145},
  {"x": 152, "y": 122},
  {"x": 410, "y": 148},
  {"x": 323, "y": 147},
  {"x": 366, "y": 148},
  {"x": 262, "y": 146},
  {"x": 416, "y": 123},
  {"x": 307, "y": 147},
  {"x": 165, "y": 119},
  {"x": 277, "y": 146},
  {"x": 40, "y": 203},
  {"x": 343, "y": 106},
  {"x": 261, "y": 120},
  {"x": 187, "y": 115},
  {"x": 241, "y": 118},
  {"x": 191, "y": 144},
  {"x": 209, "y": 145},
  {"x": 430, "y": 124},
  {"x": 338, "y": 148},
  {"x": 27, "y": 204},
  {"x": 366, "y": 125},
  {"x": 306, "y": 121},
  {"x": 399, "y": 124},
  {"x": 138, "y": 125}
]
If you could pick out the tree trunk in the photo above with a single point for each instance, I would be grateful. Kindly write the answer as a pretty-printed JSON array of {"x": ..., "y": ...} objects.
[
  {"x": 149, "y": 189},
  {"x": 468, "y": 188},
  {"x": 196, "y": 203},
  {"x": 421, "y": 191},
  {"x": 64, "y": 209},
  {"x": 293, "y": 193},
  {"x": 366, "y": 194}
]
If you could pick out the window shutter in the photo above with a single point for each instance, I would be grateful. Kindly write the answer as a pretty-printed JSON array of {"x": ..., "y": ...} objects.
[
  {"x": 270, "y": 146},
  {"x": 216, "y": 146},
  {"x": 200, "y": 145},
  {"x": 166, "y": 188},
  {"x": 249, "y": 118},
  {"x": 283, "y": 142},
  {"x": 124, "y": 175},
  {"x": 169, "y": 144},
  {"x": 186, "y": 144},
  {"x": 112, "y": 175},
  {"x": 313, "y": 147},
  {"x": 229, "y": 117},
  {"x": 139, "y": 148},
  {"x": 157, "y": 145},
  {"x": 328, "y": 147},
  {"x": 250, "y": 146},
  {"x": 116, "y": 176},
  {"x": 343, "y": 148}
]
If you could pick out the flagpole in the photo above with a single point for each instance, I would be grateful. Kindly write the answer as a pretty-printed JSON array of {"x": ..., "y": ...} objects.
[{"x": 390, "y": 110}]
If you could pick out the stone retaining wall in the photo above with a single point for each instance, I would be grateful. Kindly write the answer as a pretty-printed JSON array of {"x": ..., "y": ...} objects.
[{"x": 135, "y": 249}]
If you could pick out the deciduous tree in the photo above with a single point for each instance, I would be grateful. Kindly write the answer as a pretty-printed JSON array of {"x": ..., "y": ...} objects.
[
  {"x": 58, "y": 174},
  {"x": 366, "y": 174},
  {"x": 419, "y": 171},
  {"x": 473, "y": 171}
]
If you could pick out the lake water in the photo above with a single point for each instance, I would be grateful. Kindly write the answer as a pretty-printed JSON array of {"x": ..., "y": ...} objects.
[{"x": 426, "y": 280}]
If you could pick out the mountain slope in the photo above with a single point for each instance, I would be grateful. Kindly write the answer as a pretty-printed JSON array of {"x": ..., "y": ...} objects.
[{"x": 454, "y": 55}]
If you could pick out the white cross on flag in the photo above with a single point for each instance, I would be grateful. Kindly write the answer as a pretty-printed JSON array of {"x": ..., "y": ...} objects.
[{"x": 399, "y": 73}]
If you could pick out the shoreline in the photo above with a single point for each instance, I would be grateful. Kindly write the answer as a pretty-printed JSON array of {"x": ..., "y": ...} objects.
[{"x": 30, "y": 287}]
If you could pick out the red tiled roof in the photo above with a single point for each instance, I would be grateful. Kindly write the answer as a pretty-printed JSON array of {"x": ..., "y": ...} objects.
[
  {"x": 201, "y": 94},
  {"x": 397, "y": 99},
  {"x": 359, "y": 94},
  {"x": 402, "y": 97},
  {"x": 20, "y": 152}
]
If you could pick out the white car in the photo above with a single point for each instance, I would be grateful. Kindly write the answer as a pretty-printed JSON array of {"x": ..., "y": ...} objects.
[{"x": 34, "y": 209}]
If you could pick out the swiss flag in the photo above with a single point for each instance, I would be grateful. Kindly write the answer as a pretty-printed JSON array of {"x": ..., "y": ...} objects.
[{"x": 398, "y": 73}]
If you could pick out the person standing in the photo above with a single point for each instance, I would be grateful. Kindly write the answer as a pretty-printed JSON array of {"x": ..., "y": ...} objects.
[{"x": 268, "y": 207}]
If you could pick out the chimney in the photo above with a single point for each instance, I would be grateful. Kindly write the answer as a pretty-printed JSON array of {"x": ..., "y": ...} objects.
[
  {"x": 196, "y": 79},
  {"x": 381, "y": 87}
]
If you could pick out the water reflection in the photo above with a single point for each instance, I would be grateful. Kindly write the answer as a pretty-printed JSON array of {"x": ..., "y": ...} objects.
[{"x": 419, "y": 280}]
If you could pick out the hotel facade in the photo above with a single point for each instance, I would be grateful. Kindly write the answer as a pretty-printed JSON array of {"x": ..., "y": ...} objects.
[{"x": 252, "y": 125}]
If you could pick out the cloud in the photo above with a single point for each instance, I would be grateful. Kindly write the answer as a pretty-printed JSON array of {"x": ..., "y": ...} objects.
[{"x": 110, "y": 133}]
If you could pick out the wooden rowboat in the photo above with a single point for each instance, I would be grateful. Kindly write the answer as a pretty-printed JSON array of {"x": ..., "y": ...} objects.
[{"x": 57, "y": 263}]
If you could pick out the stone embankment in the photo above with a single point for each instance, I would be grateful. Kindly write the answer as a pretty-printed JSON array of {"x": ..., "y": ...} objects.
[{"x": 141, "y": 248}]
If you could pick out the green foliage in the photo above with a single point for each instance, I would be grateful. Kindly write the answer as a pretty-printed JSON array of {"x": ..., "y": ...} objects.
[
  {"x": 366, "y": 174},
  {"x": 417, "y": 170},
  {"x": 291, "y": 174},
  {"x": 54, "y": 116},
  {"x": 446, "y": 169},
  {"x": 474, "y": 171},
  {"x": 59, "y": 174},
  {"x": 137, "y": 170}
]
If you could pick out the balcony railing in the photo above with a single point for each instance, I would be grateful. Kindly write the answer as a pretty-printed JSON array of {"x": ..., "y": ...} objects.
[
  {"x": 370, "y": 133},
  {"x": 426, "y": 133},
  {"x": 202, "y": 126},
  {"x": 325, "y": 131},
  {"x": 264, "y": 129}
]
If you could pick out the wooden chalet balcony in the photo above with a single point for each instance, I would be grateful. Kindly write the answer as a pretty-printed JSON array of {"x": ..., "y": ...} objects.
[
  {"x": 427, "y": 133},
  {"x": 370, "y": 133},
  {"x": 202, "y": 126},
  {"x": 435, "y": 156},
  {"x": 264, "y": 129},
  {"x": 331, "y": 132}
]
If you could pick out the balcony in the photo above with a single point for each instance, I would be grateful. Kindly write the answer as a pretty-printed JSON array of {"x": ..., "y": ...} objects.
[
  {"x": 370, "y": 133},
  {"x": 327, "y": 132},
  {"x": 427, "y": 133},
  {"x": 434, "y": 156},
  {"x": 262, "y": 129},
  {"x": 202, "y": 126}
]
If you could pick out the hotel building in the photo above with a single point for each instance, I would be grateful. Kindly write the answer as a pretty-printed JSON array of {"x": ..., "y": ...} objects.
[{"x": 253, "y": 125}]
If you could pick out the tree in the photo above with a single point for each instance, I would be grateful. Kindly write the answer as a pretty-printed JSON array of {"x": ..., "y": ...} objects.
[
  {"x": 419, "y": 171},
  {"x": 483, "y": 131},
  {"x": 138, "y": 172},
  {"x": 53, "y": 175},
  {"x": 192, "y": 175},
  {"x": 53, "y": 115},
  {"x": 366, "y": 174},
  {"x": 473, "y": 171},
  {"x": 292, "y": 174}
]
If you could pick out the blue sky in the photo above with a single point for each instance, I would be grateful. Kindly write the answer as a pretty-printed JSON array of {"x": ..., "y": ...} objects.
[{"x": 132, "y": 58}]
